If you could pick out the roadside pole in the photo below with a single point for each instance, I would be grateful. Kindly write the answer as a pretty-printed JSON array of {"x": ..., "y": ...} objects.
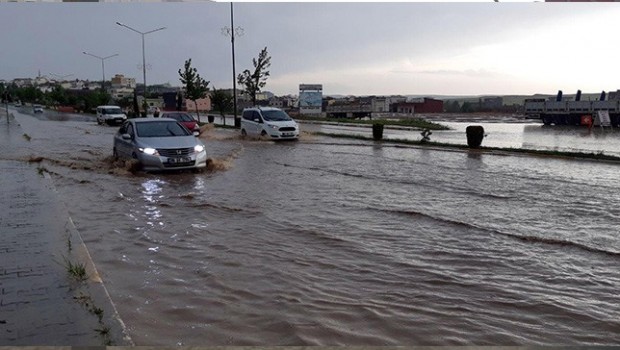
[{"x": 6, "y": 105}]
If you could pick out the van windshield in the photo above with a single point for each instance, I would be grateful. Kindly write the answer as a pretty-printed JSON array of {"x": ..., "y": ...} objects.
[
  {"x": 275, "y": 116},
  {"x": 112, "y": 110}
]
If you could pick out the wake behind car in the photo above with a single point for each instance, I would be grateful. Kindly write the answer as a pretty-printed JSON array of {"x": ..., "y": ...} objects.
[
  {"x": 184, "y": 118},
  {"x": 110, "y": 115},
  {"x": 268, "y": 121},
  {"x": 159, "y": 144}
]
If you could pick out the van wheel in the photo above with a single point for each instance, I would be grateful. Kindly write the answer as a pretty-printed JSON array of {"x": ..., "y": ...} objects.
[
  {"x": 114, "y": 154},
  {"x": 243, "y": 133},
  {"x": 263, "y": 133}
]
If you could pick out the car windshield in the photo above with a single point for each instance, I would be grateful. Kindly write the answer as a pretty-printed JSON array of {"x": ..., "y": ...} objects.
[
  {"x": 275, "y": 116},
  {"x": 116, "y": 110},
  {"x": 160, "y": 129},
  {"x": 182, "y": 117}
]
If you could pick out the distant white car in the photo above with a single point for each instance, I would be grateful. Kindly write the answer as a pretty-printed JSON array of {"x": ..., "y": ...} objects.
[
  {"x": 269, "y": 122},
  {"x": 110, "y": 115},
  {"x": 37, "y": 109}
]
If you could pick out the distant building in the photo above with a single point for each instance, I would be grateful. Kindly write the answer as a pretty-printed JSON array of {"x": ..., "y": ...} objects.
[
  {"x": 162, "y": 88},
  {"x": 491, "y": 103},
  {"x": 23, "y": 82},
  {"x": 120, "y": 81},
  {"x": 423, "y": 105},
  {"x": 204, "y": 104},
  {"x": 352, "y": 107},
  {"x": 380, "y": 104},
  {"x": 613, "y": 95},
  {"x": 170, "y": 101}
]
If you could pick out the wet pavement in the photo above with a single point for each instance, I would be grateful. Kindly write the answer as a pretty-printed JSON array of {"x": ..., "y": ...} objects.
[
  {"x": 331, "y": 241},
  {"x": 50, "y": 291}
]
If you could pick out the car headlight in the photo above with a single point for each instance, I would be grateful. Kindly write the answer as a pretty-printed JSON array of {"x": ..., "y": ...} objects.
[
  {"x": 150, "y": 151},
  {"x": 273, "y": 126},
  {"x": 199, "y": 148}
]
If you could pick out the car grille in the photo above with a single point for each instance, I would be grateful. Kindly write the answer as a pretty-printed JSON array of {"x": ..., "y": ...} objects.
[
  {"x": 287, "y": 128},
  {"x": 175, "y": 152}
]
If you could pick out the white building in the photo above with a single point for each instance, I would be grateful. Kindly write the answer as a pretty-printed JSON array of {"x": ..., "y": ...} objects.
[{"x": 120, "y": 81}]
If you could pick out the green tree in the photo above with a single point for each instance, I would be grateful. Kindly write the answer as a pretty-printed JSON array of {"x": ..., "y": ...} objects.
[
  {"x": 93, "y": 99},
  {"x": 58, "y": 96},
  {"x": 257, "y": 80},
  {"x": 453, "y": 106},
  {"x": 221, "y": 101},
  {"x": 467, "y": 107},
  {"x": 195, "y": 86}
]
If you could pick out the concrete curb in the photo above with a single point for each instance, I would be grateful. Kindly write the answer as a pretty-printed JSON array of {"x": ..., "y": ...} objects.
[
  {"x": 50, "y": 290},
  {"x": 96, "y": 286}
]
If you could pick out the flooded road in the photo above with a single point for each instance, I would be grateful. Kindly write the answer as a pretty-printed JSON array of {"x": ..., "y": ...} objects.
[{"x": 339, "y": 242}]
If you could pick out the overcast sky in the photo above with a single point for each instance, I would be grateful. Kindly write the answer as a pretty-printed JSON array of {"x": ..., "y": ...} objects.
[{"x": 350, "y": 48}]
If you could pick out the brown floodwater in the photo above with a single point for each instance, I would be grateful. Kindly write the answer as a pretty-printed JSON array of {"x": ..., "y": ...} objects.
[{"x": 339, "y": 242}]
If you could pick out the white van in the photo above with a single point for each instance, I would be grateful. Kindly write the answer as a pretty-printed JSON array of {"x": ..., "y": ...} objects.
[
  {"x": 269, "y": 122},
  {"x": 110, "y": 115}
]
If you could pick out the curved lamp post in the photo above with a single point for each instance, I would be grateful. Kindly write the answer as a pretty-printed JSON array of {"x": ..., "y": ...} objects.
[
  {"x": 143, "y": 55},
  {"x": 102, "y": 65}
]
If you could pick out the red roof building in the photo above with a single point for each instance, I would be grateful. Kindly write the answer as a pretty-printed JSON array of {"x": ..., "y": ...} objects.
[{"x": 426, "y": 105}]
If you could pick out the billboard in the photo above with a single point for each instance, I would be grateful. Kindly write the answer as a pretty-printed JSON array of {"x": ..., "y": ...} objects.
[{"x": 310, "y": 98}]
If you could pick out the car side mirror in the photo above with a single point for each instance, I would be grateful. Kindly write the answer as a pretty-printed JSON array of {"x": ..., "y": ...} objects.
[
  {"x": 126, "y": 136},
  {"x": 196, "y": 133}
]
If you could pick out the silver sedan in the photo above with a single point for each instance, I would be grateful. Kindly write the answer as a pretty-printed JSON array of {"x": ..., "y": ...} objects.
[{"x": 159, "y": 144}]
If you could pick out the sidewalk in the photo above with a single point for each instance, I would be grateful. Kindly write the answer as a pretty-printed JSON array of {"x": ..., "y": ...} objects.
[{"x": 41, "y": 302}]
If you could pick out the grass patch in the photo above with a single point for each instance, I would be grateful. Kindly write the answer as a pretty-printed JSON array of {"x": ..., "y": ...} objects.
[
  {"x": 77, "y": 271},
  {"x": 409, "y": 122},
  {"x": 591, "y": 156},
  {"x": 104, "y": 331}
]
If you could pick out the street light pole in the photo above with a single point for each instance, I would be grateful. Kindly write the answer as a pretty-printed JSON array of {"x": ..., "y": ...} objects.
[
  {"x": 143, "y": 53},
  {"x": 102, "y": 65},
  {"x": 232, "y": 31}
]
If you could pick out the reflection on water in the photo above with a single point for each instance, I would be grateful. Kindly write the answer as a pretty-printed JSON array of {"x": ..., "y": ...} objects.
[
  {"x": 574, "y": 139},
  {"x": 506, "y": 135}
]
